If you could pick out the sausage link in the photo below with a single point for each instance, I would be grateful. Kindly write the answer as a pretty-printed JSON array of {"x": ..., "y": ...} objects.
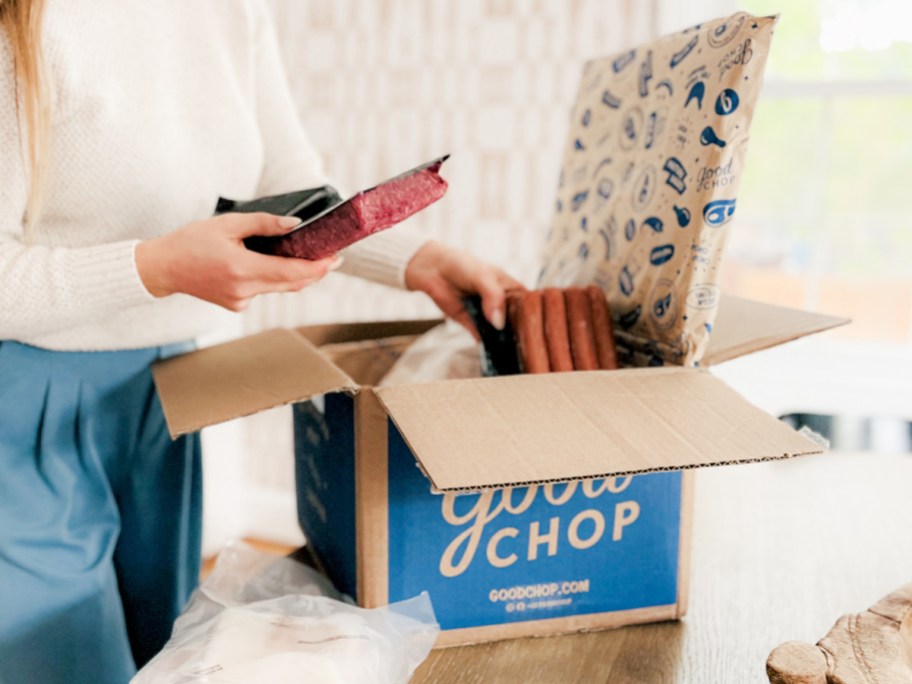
[
  {"x": 579, "y": 323},
  {"x": 601, "y": 328},
  {"x": 528, "y": 324},
  {"x": 556, "y": 335}
]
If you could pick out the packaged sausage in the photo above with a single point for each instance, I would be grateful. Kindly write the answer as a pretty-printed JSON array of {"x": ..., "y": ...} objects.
[
  {"x": 556, "y": 330},
  {"x": 602, "y": 329},
  {"x": 579, "y": 325},
  {"x": 524, "y": 309},
  {"x": 551, "y": 330}
]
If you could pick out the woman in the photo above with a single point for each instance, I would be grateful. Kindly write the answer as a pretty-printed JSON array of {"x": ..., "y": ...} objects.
[{"x": 117, "y": 135}]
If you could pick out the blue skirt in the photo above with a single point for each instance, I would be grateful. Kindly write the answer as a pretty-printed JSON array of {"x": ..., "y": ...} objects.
[{"x": 100, "y": 515}]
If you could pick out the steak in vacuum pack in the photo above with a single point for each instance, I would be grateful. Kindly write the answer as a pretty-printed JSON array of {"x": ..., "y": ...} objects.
[{"x": 331, "y": 224}]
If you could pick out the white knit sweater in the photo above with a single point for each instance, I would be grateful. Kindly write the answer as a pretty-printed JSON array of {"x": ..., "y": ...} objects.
[{"x": 159, "y": 108}]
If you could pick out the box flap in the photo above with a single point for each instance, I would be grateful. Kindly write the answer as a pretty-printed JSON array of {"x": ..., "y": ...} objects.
[
  {"x": 337, "y": 333},
  {"x": 744, "y": 326},
  {"x": 367, "y": 361},
  {"x": 479, "y": 433},
  {"x": 243, "y": 377}
]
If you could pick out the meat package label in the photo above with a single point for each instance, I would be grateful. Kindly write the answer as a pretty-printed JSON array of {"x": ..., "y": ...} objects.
[
  {"x": 534, "y": 552},
  {"x": 647, "y": 190}
]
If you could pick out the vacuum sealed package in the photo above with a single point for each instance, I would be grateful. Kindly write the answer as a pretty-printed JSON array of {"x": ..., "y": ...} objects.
[
  {"x": 647, "y": 189},
  {"x": 261, "y": 619},
  {"x": 554, "y": 330},
  {"x": 330, "y": 224}
]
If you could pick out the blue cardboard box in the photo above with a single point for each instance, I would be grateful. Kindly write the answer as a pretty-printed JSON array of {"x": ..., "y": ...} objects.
[
  {"x": 505, "y": 562},
  {"x": 525, "y": 505}
]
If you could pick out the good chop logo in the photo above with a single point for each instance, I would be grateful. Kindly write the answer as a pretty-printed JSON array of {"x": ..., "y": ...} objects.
[
  {"x": 740, "y": 54},
  {"x": 715, "y": 176},
  {"x": 500, "y": 553}
]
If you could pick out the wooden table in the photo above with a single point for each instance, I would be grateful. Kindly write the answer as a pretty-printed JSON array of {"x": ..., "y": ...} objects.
[{"x": 781, "y": 550}]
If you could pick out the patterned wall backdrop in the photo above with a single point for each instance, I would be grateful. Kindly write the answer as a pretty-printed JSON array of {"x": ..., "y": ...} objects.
[{"x": 382, "y": 85}]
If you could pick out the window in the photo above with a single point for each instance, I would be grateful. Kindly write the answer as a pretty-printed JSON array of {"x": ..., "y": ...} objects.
[{"x": 824, "y": 220}]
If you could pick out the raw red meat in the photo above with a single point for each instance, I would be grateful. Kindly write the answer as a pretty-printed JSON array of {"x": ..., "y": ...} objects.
[{"x": 368, "y": 212}]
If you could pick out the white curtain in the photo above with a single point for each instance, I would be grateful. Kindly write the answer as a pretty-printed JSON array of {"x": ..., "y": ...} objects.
[{"x": 383, "y": 85}]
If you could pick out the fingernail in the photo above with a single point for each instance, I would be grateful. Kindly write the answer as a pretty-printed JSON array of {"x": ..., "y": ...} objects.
[
  {"x": 497, "y": 319},
  {"x": 290, "y": 222},
  {"x": 334, "y": 265}
]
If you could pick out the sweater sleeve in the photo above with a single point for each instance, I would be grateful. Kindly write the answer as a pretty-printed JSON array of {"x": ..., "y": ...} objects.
[
  {"x": 292, "y": 163},
  {"x": 42, "y": 289}
]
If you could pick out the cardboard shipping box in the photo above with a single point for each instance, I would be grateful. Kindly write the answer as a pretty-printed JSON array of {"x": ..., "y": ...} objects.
[
  {"x": 538, "y": 504},
  {"x": 525, "y": 505}
]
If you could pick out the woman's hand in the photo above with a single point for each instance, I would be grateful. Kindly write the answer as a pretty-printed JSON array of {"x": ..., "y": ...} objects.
[
  {"x": 207, "y": 259},
  {"x": 446, "y": 275}
]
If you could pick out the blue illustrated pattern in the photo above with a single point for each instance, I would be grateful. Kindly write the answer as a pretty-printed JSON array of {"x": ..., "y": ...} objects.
[{"x": 656, "y": 151}]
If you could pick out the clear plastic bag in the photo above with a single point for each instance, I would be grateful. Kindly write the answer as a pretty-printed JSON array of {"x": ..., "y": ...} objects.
[
  {"x": 446, "y": 352},
  {"x": 259, "y": 618}
]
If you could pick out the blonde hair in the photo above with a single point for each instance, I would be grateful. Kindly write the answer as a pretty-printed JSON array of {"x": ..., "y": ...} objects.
[{"x": 21, "y": 19}]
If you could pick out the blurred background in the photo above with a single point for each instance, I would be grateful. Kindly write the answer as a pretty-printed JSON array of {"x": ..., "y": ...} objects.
[{"x": 822, "y": 224}]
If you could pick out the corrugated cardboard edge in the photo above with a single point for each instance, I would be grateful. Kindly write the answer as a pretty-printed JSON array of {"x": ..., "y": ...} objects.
[
  {"x": 554, "y": 626},
  {"x": 685, "y": 537},
  {"x": 739, "y": 328},
  {"x": 456, "y": 406},
  {"x": 619, "y": 473},
  {"x": 371, "y": 501}
]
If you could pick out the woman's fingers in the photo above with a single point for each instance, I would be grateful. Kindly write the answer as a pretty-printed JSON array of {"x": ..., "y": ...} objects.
[
  {"x": 492, "y": 284},
  {"x": 241, "y": 226},
  {"x": 447, "y": 274},
  {"x": 493, "y": 297},
  {"x": 270, "y": 274},
  {"x": 274, "y": 269},
  {"x": 449, "y": 300},
  {"x": 279, "y": 270},
  {"x": 207, "y": 259}
]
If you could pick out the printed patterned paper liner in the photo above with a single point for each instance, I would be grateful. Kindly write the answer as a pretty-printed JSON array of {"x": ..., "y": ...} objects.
[{"x": 656, "y": 150}]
